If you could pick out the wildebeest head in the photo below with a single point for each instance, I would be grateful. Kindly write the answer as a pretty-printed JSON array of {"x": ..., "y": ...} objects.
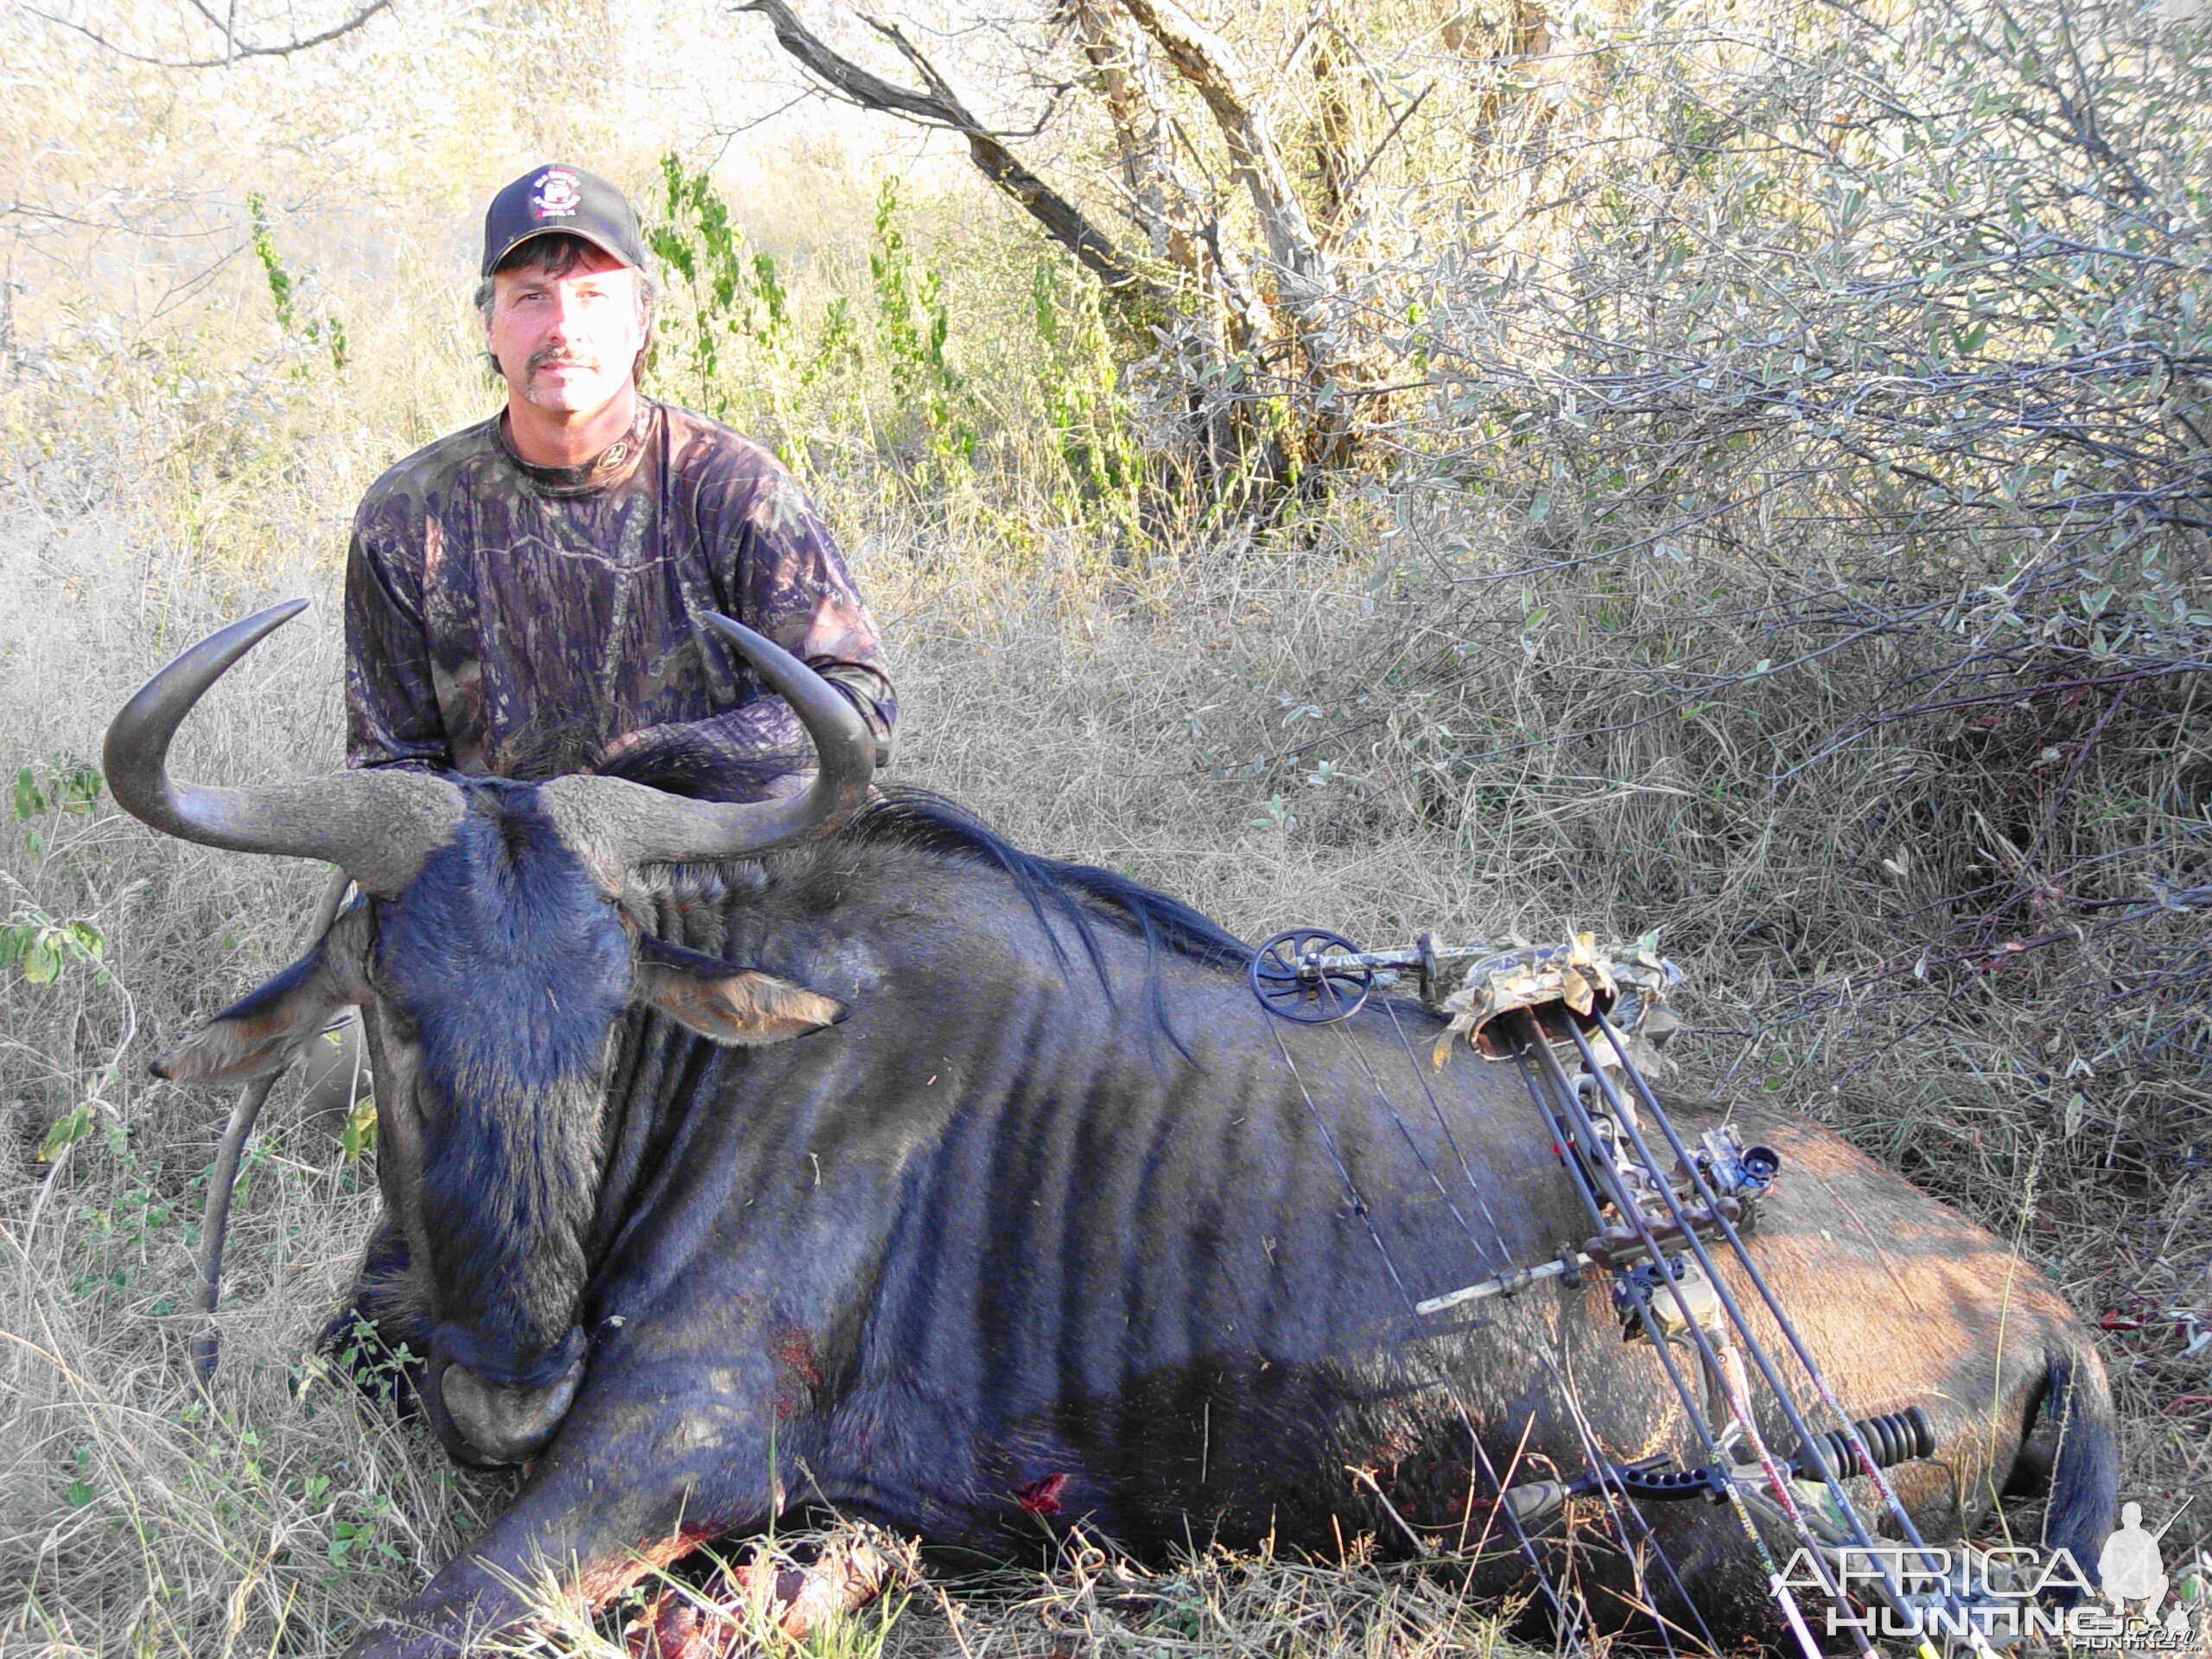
[{"x": 495, "y": 952}]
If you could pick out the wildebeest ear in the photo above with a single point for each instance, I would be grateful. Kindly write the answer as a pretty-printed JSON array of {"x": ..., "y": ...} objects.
[
  {"x": 741, "y": 1006},
  {"x": 263, "y": 1030}
]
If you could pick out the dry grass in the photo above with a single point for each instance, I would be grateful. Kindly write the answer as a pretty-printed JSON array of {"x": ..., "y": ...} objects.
[{"x": 1074, "y": 712}]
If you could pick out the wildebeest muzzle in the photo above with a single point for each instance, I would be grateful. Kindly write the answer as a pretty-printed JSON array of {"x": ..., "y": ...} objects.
[{"x": 486, "y": 1414}]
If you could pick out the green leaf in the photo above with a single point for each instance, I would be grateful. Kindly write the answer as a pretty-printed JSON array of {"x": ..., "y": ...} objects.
[
  {"x": 77, "y": 1494},
  {"x": 77, "y": 789},
  {"x": 68, "y": 1129},
  {"x": 42, "y": 962},
  {"x": 359, "y": 1135},
  {"x": 29, "y": 801}
]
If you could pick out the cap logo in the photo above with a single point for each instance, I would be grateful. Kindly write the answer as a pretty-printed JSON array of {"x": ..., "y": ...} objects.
[{"x": 559, "y": 193}]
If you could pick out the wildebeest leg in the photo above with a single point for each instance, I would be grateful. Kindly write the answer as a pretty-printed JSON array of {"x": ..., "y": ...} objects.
[
  {"x": 576, "y": 1531},
  {"x": 659, "y": 1453},
  {"x": 493, "y": 1587}
]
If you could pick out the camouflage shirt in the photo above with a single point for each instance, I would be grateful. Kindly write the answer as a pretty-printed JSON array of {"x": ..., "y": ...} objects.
[{"x": 506, "y": 618}]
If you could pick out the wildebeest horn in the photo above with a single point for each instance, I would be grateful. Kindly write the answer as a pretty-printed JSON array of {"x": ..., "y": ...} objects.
[
  {"x": 632, "y": 824},
  {"x": 378, "y": 826}
]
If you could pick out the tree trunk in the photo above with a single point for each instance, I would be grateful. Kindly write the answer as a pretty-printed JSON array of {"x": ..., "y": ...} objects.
[
  {"x": 1336, "y": 139},
  {"x": 1305, "y": 278},
  {"x": 1167, "y": 204}
]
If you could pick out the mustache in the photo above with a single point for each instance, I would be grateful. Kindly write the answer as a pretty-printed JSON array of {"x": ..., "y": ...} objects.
[{"x": 560, "y": 357}]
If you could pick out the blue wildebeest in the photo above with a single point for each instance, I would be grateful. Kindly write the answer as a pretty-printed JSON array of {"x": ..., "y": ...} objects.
[{"x": 832, "y": 1151}]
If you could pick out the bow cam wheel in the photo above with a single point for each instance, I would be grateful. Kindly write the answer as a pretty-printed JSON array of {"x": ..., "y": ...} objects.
[{"x": 1289, "y": 986}]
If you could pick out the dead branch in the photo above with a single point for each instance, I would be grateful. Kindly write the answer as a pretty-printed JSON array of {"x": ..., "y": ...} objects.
[
  {"x": 235, "y": 50},
  {"x": 1212, "y": 67},
  {"x": 1338, "y": 135},
  {"x": 937, "y": 106},
  {"x": 1351, "y": 190},
  {"x": 1176, "y": 210}
]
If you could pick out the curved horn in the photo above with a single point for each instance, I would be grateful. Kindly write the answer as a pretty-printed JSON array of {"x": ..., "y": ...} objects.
[
  {"x": 378, "y": 826},
  {"x": 638, "y": 825}
]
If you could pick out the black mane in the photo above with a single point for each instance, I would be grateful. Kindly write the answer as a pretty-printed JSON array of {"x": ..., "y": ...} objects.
[
  {"x": 925, "y": 822},
  {"x": 1080, "y": 895}
]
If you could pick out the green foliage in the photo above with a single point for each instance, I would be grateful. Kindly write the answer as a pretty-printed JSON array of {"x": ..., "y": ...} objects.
[
  {"x": 837, "y": 352},
  {"x": 71, "y": 787},
  {"x": 272, "y": 263},
  {"x": 359, "y": 1134},
  {"x": 876, "y": 373},
  {"x": 42, "y": 947},
  {"x": 913, "y": 322},
  {"x": 73, "y": 1126},
  {"x": 732, "y": 299},
  {"x": 1079, "y": 380},
  {"x": 286, "y": 294}
]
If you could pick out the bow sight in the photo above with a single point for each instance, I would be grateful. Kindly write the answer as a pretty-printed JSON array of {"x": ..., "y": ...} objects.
[{"x": 1660, "y": 1210}]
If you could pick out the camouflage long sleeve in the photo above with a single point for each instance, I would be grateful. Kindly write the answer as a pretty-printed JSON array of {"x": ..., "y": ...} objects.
[
  {"x": 517, "y": 619},
  {"x": 393, "y": 718}
]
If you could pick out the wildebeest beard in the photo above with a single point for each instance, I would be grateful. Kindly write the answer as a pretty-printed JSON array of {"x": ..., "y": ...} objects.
[{"x": 510, "y": 970}]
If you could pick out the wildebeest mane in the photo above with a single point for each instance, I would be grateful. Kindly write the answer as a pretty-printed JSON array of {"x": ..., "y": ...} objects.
[
  {"x": 1080, "y": 895},
  {"x": 926, "y": 822}
]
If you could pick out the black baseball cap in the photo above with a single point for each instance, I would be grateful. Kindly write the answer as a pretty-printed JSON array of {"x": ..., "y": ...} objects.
[{"x": 558, "y": 200}]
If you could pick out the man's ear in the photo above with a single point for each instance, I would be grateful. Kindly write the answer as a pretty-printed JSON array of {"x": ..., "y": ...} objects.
[
  {"x": 261, "y": 1033},
  {"x": 740, "y": 1007}
]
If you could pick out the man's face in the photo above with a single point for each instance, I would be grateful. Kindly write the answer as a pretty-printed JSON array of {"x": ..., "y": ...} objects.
[{"x": 567, "y": 343}]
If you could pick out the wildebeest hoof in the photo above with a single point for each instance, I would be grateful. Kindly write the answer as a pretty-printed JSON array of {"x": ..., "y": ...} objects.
[{"x": 507, "y": 1425}]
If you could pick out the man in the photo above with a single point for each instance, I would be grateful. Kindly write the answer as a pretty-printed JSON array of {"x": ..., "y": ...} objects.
[{"x": 523, "y": 597}]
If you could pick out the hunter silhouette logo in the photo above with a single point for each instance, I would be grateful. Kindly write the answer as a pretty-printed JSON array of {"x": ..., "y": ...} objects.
[
  {"x": 2134, "y": 1572},
  {"x": 2131, "y": 1567}
]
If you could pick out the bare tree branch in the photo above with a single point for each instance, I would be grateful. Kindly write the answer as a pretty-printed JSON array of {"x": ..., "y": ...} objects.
[
  {"x": 1211, "y": 66},
  {"x": 1171, "y": 207},
  {"x": 234, "y": 52},
  {"x": 1351, "y": 190},
  {"x": 943, "y": 89},
  {"x": 937, "y": 106}
]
